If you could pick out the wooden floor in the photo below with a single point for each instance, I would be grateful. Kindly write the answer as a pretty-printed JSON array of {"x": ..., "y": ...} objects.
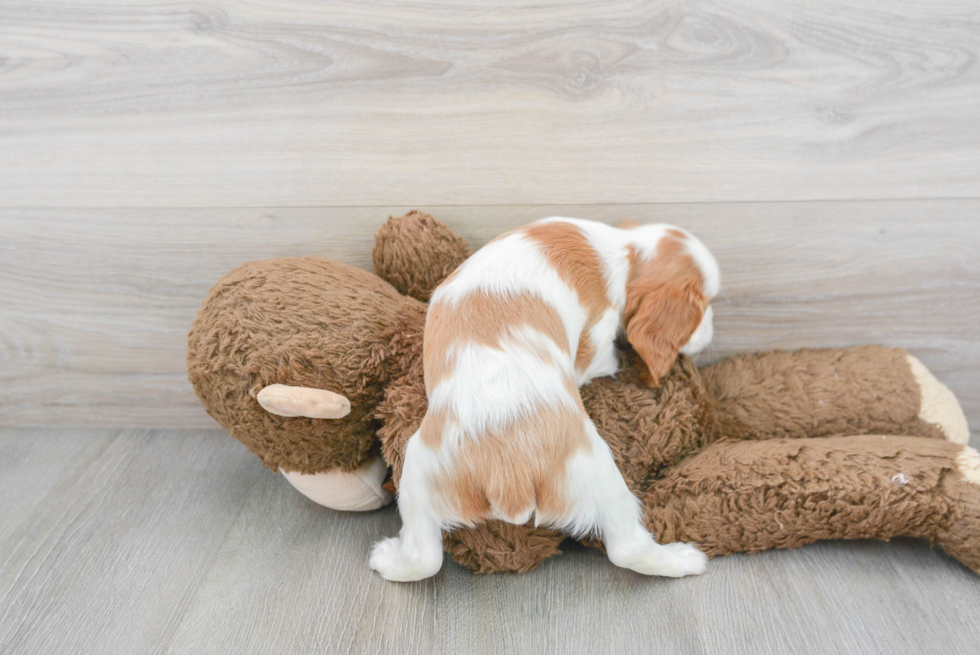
[
  {"x": 155, "y": 541},
  {"x": 828, "y": 152}
]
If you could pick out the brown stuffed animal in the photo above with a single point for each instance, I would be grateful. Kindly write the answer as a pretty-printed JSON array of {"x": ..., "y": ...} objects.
[{"x": 308, "y": 362}]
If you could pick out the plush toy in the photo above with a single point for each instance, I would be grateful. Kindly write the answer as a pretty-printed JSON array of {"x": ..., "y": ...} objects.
[{"x": 316, "y": 367}]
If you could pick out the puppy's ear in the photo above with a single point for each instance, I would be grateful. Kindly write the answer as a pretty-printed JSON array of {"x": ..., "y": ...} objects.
[{"x": 661, "y": 315}]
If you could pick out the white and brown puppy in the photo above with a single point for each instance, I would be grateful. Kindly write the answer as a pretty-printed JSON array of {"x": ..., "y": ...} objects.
[{"x": 510, "y": 337}]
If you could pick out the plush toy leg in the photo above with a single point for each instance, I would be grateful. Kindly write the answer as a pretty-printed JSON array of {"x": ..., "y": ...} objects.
[
  {"x": 352, "y": 491},
  {"x": 498, "y": 547},
  {"x": 784, "y": 493},
  {"x": 815, "y": 393}
]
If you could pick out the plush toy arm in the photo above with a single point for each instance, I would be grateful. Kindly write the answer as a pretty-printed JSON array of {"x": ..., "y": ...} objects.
[
  {"x": 751, "y": 496},
  {"x": 815, "y": 393},
  {"x": 416, "y": 252},
  {"x": 284, "y": 400}
]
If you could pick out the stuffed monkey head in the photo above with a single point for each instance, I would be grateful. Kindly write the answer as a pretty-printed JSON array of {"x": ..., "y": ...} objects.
[{"x": 293, "y": 356}]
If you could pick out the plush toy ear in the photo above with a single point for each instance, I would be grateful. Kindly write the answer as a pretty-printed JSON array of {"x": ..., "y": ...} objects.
[
  {"x": 661, "y": 315},
  {"x": 284, "y": 400},
  {"x": 416, "y": 252}
]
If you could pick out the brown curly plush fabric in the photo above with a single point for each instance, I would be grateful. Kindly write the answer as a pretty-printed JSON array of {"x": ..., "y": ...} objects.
[
  {"x": 817, "y": 393},
  {"x": 416, "y": 252},
  {"x": 784, "y": 493},
  {"x": 303, "y": 322},
  {"x": 650, "y": 429}
]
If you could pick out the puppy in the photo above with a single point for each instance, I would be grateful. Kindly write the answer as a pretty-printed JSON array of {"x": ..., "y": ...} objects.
[{"x": 509, "y": 338}]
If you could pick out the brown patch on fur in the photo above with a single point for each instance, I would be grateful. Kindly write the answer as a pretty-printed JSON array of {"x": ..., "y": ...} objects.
[
  {"x": 628, "y": 224},
  {"x": 433, "y": 425},
  {"x": 510, "y": 472},
  {"x": 485, "y": 319},
  {"x": 577, "y": 263},
  {"x": 664, "y": 303},
  {"x": 585, "y": 353}
]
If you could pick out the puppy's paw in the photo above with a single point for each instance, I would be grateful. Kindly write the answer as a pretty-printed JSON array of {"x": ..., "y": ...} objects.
[
  {"x": 671, "y": 560},
  {"x": 390, "y": 558},
  {"x": 684, "y": 559}
]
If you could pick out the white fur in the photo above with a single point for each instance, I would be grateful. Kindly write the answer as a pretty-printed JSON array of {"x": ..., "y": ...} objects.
[
  {"x": 491, "y": 387},
  {"x": 702, "y": 334}
]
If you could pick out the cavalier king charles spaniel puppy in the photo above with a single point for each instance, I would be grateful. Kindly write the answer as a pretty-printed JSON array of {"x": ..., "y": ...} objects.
[{"x": 510, "y": 337}]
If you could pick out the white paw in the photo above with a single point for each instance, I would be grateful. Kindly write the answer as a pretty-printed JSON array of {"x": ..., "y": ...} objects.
[
  {"x": 671, "y": 560},
  {"x": 390, "y": 559}
]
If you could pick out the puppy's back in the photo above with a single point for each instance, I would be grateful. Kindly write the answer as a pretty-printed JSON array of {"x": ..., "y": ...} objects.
[{"x": 504, "y": 411}]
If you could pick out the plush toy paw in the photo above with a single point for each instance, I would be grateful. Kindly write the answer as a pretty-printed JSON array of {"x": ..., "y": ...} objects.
[
  {"x": 674, "y": 560},
  {"x": 968, "y": 462},
  {"x": 398, "y": 563},
  {"x": 939, "y": 405}
]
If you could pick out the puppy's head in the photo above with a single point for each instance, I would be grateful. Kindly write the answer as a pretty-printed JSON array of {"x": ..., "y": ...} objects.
[{"x": 673, "y": 277}]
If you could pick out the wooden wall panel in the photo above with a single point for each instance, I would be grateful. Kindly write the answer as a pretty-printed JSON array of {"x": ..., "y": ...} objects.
[
  {"x": 97, "y": 302},
  {"x": 285, "y": 103}
]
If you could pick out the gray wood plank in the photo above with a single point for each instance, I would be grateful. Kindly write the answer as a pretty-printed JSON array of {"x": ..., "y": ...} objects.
[
  {"x": 293, "y": 103},
  {"x": 292, "y": 577},
  {"x": 841, "y": 597},
  {"x": 97, "y": 302},
  {"x": 114, "y": 535},
  {"x": 35, "y": 461}
]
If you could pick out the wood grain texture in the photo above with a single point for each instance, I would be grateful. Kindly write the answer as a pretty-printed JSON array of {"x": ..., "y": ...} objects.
[
  {"x": 178, "y": 542},
  {"x": 110, "y": 533},
  {"x": 97, "y": 303},
  {"x": 284, "y": 103}
]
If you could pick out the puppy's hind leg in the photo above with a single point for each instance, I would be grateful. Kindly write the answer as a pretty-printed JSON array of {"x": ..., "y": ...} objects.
[
  {"x": 599, "y": 499},
  {"x": 416, "y": 553}
]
